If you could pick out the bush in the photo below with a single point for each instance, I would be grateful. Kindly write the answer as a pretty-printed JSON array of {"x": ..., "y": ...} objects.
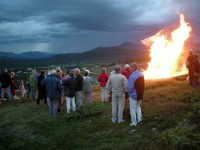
[
  {"x": 86, "y": 110},
  {"x": 180, "y": 138}
]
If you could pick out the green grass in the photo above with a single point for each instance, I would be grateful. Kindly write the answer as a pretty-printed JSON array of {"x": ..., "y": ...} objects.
[{"x": 171, "y": 114}]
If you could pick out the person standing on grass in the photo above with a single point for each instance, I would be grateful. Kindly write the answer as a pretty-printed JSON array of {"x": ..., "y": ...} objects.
[
  {"x": 135, "y": 91},
  {"x": 103, "y": 78},
  {"x": 13, "y": 86},
  {"x": 53, "y": 88},
  {"x": 79, "y": 92},
  {"x": 41, "y": 89},
  {"x": 70, "y": 86},
  {"x": 32, "y": 80},
  {"x": 5, "y": 85},
  {"x": 22, "y": 90},
  {"x": 118, "y": 84},
  {"x": 193, "y": 75},
  {"x": 87, "y": 87}
]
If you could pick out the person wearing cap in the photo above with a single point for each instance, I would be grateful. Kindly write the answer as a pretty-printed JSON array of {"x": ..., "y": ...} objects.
[
  {"x": 193, "y": 75},
  {"x": 118, "y": 84},
  {"x": 103, "y": 78},
  {"x": 53, "y": 86},
  {"x": 135, "y": 91},
  {"x": 87, "y": 87}
]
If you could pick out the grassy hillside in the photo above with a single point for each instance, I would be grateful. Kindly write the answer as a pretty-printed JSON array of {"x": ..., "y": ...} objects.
[{"x": 171, "y": 114}]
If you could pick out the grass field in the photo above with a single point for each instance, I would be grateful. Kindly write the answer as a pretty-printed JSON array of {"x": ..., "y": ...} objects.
[{"x": 171, "y": 114}]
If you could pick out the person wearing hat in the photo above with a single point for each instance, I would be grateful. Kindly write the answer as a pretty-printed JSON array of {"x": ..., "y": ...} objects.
[
  {"x": 190, "y": 64},
  {"x": 118, "y": 84}
]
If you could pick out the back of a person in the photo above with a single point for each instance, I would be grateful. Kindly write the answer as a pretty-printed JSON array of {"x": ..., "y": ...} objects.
[
  {"x": 71, "y": 84},
  {"x": 87, "y": 84},
  {"x": 51, "y": 86},
  {"x": 32, "y": 80},
  {"x": 117, "y": 82},
  {"x": 103, "y": 78},
  {"x": 5, "y": 80}
]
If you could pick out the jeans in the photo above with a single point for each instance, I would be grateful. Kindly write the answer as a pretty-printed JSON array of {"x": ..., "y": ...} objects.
[
  {"x": 33, "y": 92},
  {"x": 135, "y": 111},
  {"x": 53, "y": 106},
  {"x": 117, "y": 101},
  {"x": 87, "y": 97},
  {"x": 70, "y": 100},
  {"x": 79, "y": 98},
  {"x": 104, "y": 94},
  {"x": 6, "y": 90}
]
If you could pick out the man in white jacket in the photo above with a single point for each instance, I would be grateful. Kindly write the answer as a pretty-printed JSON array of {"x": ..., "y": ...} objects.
[{"x": 118, "y": 84}]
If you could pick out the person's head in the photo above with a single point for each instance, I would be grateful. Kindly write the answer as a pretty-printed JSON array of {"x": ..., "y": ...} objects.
[
  {"x": 87, "y": 73},
  {"x": 71, "y": 73},
  {"x": 12, "y": 74},
  {"x": 22, "y": 82},
  {"x": 34, "y": 72},
  {"x": 126, "y": 66},
  {"x": 43, "y": 72},
  {"x": 133, "y": 66},
  {"x": 117, "y": 68},
  {"x": 5, "y": 70},
  {"x": 77, "y": 71},
  {"x": 63, "y": 74},
  {"x": 103, "y": 69},
  {"x": 53, "y": 71},
  {"x": 59, "y": 72}
]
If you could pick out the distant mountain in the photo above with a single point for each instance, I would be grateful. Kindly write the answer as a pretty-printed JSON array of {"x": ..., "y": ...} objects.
[
  {"x": 133, "y": 46},
  {"x": 24, "y": 56},
  {"x": 97, "y": 55}
]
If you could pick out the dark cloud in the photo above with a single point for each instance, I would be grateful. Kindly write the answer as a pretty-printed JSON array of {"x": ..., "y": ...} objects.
[{"x": 69, "y": 25}]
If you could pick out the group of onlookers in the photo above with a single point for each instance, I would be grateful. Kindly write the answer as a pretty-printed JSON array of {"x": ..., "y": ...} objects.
[{"x": 77, "y": 89}]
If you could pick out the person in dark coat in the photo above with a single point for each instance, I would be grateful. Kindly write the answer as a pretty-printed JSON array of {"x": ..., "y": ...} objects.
[
  {"x": 41, "y": 89},
  {"x": 53, "y": 88},
  {"x": 5, "y": 85},
  {"x": 70, "y": 87},
  {"x": 193, "y": 76}
]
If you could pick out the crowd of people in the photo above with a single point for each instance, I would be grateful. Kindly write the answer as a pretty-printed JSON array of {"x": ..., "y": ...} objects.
[{"x": 52, "y": 86}]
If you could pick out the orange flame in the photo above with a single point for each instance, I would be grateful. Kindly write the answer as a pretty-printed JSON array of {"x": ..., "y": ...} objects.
[{"x": 165, "y": 53}]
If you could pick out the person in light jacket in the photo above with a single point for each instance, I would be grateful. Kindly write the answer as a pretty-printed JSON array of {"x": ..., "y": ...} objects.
[
  {"x": 87, "y": 87},
  {"x": 135, "y": 91},
  {"x": 118, "y": 84}
]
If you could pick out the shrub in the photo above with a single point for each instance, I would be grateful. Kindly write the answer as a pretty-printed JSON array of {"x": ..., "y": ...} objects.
[{"x": 180, "y": 138}]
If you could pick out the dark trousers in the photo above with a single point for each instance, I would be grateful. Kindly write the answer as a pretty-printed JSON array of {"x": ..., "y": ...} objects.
[{"x": 41, "y": 95}]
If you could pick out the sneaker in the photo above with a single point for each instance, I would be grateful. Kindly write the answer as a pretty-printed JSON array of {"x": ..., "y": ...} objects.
[
  {"x": 4, "y": 99},
  {"x": 140, "y": 123},
  {"x": 15, "y": 97},
  {"x": 132, "y": 125}
]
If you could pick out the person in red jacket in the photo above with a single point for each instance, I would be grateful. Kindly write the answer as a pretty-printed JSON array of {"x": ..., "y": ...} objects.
[
  {"x": 103, "y": 78},
  {"x": 126, "y": 72}
]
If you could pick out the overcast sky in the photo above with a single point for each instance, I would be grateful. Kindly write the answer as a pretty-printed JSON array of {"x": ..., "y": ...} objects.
[{"x": 62, "y": 26}]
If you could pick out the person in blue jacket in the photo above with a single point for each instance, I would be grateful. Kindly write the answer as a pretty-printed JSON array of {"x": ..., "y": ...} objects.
[
  {"x": 53, "y": 86},
  {"x": 135, "y": 91}
]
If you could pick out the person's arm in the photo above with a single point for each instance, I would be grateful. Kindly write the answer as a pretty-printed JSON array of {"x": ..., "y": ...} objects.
[
  {"x": 130, "y": 84},
  {"x": 125, "y": 83},
  {"x": 108, "y": 84},
  {"x": 99, "y": 78}
]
